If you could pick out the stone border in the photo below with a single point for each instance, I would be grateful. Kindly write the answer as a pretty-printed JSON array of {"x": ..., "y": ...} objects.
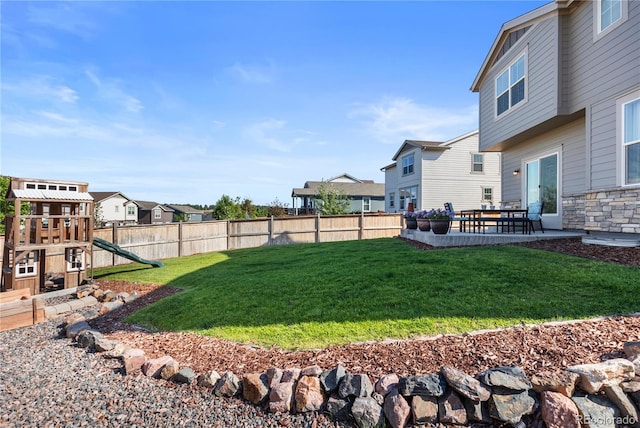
[{"x": 605, "y": 394}]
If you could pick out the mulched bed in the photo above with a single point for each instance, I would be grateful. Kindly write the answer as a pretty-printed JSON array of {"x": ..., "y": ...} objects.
[{"x": 535, "y": 349}]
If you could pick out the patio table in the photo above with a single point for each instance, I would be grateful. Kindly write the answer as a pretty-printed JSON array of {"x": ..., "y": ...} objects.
[{"x": 501, "y": 216}]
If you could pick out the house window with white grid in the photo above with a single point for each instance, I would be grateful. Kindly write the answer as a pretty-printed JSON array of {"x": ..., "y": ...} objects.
[
  {"x": 392, "y": 200},
  {"x": 409, "y": 195},
  {"x": 28, "y": 265},
  {"x": 407, "y": 164},
  {"x": 477, "y": 162},
  {"x": 511, "y": 86},
  {"x": 75, "y": 259},
  {"x": 487, "y": 194},
  {"x": 157, "y": 214},
  {"x": 631, "y": 140}
]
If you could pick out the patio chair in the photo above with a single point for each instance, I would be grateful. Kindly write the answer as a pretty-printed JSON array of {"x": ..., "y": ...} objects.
[
  {"x": 535, "y": 214},
  {"x": 462, "y": 221}
]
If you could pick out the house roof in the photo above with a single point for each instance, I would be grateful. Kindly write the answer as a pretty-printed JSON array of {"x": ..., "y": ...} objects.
[
  {"x": 149, "y": 205},
  {"x": 186, "y": 209},
  {"x": 60, "y": 195},
  {"x": 391, "y": 165},
  {"x": 364, "y": 188},
  {"x": 423, "y": 145},
  {"x": 101, "y": 196},
  {"x": 515, "y": 24}
]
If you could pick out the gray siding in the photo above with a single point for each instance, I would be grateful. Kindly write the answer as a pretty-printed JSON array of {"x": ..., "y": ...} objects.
[
  {"x": 541, "y": 43},
  {"x": 599, "y": 68},
  {"x": 568, "y": 140}
]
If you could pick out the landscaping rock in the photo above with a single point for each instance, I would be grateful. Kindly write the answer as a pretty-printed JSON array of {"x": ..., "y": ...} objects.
[
  {"x": 169, "y": 370},
  {"x": 255, "y": 387},
  {"x": 367, "y": 413},
  {"x": 431, "y": 385},
  {"x": 594, "y": 377},
  {"x": 558, "y": 410},
  {"x": 311, "y": 371},
  {"x": 563, "y": 382},
  {"x": 290, "y": 375},
  {"x": 505, "y": 379},
  {"x": 424, "y": 410},
  {"x": 396, "y": 409},
  {"x": 153, "y": 367},
  {"x": 133, "y": 359},
  {"x": 632, "y": 350},
  {"x": 274, "y": 375},
  {"x": 338, "y": 408},
  {"x": 72, "y": 318},
  {"x": 386, "y": 384},
  {"x": 110, "y": 306},
  {"x": 465, "y": 385},
  {"x": 451, "y": 409},
  {"x": 511, "y": 407},
  {"x": 477, "y": 411},
  {"x": 281, "y": 397},
  {"x": 227, "y": 386},
  {"x": 597, "y": 411},
  {"x": 76, "y": 328},
  {"x": 104, "y": 345},
  {"x": 184, "y": 375},
  {"x": 308, "y": 394},
  {"x": 622, "y": 402},
  {"x": 355, "y": 385},
  {"x": 330, "y": 379},
  {"x": 88, "y": 339},
  {"x": 208, "y": 380}
]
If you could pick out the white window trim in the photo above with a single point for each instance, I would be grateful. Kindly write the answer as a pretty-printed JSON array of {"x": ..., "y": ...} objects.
[
  {"x": 413, "y": 164},
  {"x": 621, "y": 158},
  {"x": 157, "y": 214},
  {"x": 75, "y": 253},
  {"x": 366, "y": 201},
  {"x": 403, "y": 201},
  {"x": 474, "y": 163},
  {"x": 30, "y": 269},
  {"x": 483, "y": 194},
  {"x": 392, "y": 199},
  {"x": 597, "y": 19},
  {"x": 516, "y": 57}
]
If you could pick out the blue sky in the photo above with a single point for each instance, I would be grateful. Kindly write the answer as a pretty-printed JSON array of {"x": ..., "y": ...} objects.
[{"x": 186, "y": 101}]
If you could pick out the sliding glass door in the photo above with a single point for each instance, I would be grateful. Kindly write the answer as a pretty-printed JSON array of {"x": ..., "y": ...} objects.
[{"x": 541, "y": 184}]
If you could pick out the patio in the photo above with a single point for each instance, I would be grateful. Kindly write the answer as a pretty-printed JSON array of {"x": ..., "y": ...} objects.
[{"x": 461, "y": 239}]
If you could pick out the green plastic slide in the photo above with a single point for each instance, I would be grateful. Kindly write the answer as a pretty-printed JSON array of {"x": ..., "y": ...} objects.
[{"x": 113, "y": 248}]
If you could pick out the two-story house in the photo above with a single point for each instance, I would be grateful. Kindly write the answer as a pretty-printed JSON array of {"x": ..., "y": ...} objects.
[
  {"x": 427, "y": 174},
  {"x": 114, "y": 208},
  {"x": 363, "y": 195},
  {"x": 559, "y": 96},
  {"x": 150, "y": 212}
]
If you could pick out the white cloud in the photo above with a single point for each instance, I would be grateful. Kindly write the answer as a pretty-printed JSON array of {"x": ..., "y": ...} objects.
[
  {"x": 394, "y": 120},
  {"x": 69, "y": 17},
  {"x": 253, "y": 73},
  {"x": 110, "y": 90},
  {"x": 42, "y": 87}
]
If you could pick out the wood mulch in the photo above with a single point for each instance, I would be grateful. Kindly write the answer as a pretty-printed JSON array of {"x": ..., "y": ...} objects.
[{"x": 534, "y": 348}]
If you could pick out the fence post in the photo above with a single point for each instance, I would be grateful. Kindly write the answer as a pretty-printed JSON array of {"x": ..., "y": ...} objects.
[
  {"x": 318, "y": 228},
  {"x": 361, "y": 226},
  {"x": 114, "y": 239},
  {"x": 228, "y": 234},
  {"x": 271, "y": 226},
  {"x": 180, "y": 239}
]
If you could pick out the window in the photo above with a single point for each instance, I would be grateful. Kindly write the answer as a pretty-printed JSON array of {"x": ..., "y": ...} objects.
[
  {"x": 27, "y": 266},
  {"x": 52, "y": 187},
  {"x": 366, "y": 204},
  {"x": 631, "y": 141},
  {"x": 62, "y": 187},
  {"x": 131, "y": 210},
  {"x": 609, "y": 12},
  {"x": 487, "y": 193},
  {"x": 157, "y": 214},
  {"x": 75, "y": 259},
  {"x": 30, "y": 186},
  {"x": 116, "y": 208},
  {"x": 409, "y": 195},
  {"x": 407, "y": 164},
  {"x": 392, "y": 200},
  {"x": 511, "y": 86},
  {"x": 477, "y": 163}
]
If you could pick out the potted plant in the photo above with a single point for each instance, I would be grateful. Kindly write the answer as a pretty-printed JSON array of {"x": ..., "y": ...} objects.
[
  {"x": 424, "y": 223},
  {"x": 440, "y": 220},
  {"x": 411, "y": 219}
]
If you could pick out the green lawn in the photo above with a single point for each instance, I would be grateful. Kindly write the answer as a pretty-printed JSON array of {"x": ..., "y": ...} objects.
[{"x": 314, "y": 295}]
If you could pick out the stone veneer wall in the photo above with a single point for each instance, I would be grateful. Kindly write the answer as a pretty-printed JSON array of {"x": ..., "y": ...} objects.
[
  {"x": 616, "y": 210},
  {"x": 573, "y": 214}
]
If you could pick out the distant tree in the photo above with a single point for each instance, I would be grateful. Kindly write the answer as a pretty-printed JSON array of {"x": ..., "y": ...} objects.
[
  {"x": 277, "y": 209},
  {"x": 227, "y": 208},
  {"x": 331, "y": 200},
  {"x": 248, "y": 208},
  {"x": 98, "y": 216},
  {"x": 4, "y": 186},
  {"x": 179, "y": 218}
]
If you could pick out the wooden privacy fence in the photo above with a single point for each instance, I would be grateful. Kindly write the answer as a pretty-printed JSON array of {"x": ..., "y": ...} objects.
[{"x": 163, "y": 241}]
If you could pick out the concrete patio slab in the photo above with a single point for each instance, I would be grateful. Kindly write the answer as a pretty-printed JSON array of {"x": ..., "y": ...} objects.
[{"x": 461, "y": 239}]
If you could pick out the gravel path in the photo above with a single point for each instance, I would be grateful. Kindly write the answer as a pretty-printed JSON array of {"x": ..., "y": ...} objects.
[{"x": 46, "y": 381}]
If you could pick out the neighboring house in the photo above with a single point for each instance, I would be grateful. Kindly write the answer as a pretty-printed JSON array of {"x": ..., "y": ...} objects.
[
  {"x": 427, "y": 174},
  {"x": 363, "y": 195},
  {"x": 152, "y": 212},
  {"x": 186, "y": 213},
  {"x": 560, "y": 99},
  {"x": 114, "y": 207}
]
